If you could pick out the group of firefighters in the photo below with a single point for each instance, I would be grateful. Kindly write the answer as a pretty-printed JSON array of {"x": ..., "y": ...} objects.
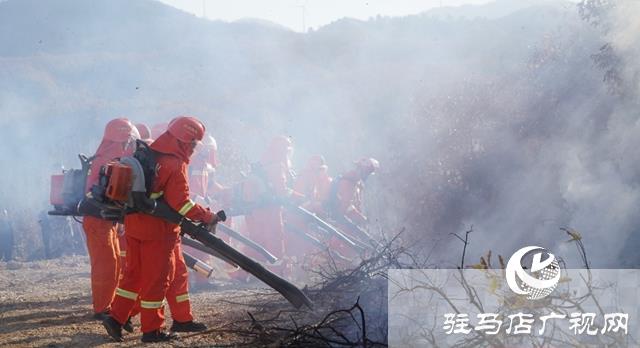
[{"x": 137, "y": 265}]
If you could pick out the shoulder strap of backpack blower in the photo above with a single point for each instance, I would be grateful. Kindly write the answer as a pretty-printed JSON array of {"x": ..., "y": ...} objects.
[{"x": 144, "y": 164}]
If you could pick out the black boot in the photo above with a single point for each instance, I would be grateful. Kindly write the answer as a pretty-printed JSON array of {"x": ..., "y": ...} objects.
[
  {"x": 158, "y": 336},
  {"x": 114, "y": 329},
  {"x": 102, "y": 315},
  {"x": 128, "y": 326},
  {"x": 188, "y": 326}
]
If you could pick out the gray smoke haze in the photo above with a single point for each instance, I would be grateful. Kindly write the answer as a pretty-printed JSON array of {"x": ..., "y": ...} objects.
[{"x": 504, "y": 120}]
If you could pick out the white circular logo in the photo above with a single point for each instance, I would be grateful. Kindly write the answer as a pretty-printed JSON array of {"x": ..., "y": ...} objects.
[{"x": 545, "y": 274}]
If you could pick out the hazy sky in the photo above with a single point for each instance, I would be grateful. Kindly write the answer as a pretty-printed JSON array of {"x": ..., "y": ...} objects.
[{"x": 296, "y": 14}]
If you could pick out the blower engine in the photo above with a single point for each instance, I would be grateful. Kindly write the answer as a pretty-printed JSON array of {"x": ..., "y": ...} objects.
[
  {"x": 121, "y": 187},
  {"x": 67, "y": 189}
]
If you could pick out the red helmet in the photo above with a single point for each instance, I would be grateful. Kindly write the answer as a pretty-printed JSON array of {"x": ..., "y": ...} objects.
[
  {"x": 120, "y": 130},
  {"x": 367, "y": 165},
  {"x": 187, "y": 129},
  {"x": 145, "y": 132}
]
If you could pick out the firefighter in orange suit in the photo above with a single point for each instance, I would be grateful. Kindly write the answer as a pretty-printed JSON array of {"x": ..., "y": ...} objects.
[
  {"x": 314, "y": 182},
  {"x": 145, "y": 135},
  {"x": 199, "y": 169},
  {"x": 350, "y": 186},
  {"x": 345, "y": 198},
  {"x": 201, "y": 166},
  {"x": 152, "y": 255},
  {"x": 101, "y": 235},
  {"x": 221, "y": 195},
  {"x": 180, "y": 310},
  {"x": 268, "y": 185}
]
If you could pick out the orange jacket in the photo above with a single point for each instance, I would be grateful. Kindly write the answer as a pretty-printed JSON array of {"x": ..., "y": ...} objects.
[
  {"x": 305, "y": 183},
  {"x": 199, "y": 178},
  {"x": 323, "y": 186},
  {"x": 315, "y": 186},
  {"x": 170, "y": 180},
  {"x": 349, "y": 197},
  {"x": 265, "y": 224},
  {"x": 272, "y": 181}
]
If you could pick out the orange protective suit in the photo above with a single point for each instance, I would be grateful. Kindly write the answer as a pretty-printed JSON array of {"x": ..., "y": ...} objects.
[
  {"x": 345, "y": 199},
  {"x": 178, "y": 291},
  {"x": 349, "y": 197},
  {"x": 203, "y": 163},
  {"x": 198, "y": 184},
  {"x": 265, "y": 223},
  {"x": 314, "y": 183},
  {"x": 104, "y": 255},
  {"x": 101, "y": 235},
  {"x": 198, "y": 175},
  {"x": 153, "y": 243},
  {"x": 179, "y": 287}
]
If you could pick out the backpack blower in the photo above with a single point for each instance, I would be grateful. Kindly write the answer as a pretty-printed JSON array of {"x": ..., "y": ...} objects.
[{"x": 67, "y": 189}]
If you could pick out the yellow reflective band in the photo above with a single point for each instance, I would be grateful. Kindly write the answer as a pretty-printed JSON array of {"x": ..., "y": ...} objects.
[
  {"x": 186, "y": 207},
  {"x": 123, "y": 253},
  {"x": 126, "y": 294},
  {"x": 182, "y": 298},
  {"x": 151, "y": 304},
  {"x": 156, "y": 195}
]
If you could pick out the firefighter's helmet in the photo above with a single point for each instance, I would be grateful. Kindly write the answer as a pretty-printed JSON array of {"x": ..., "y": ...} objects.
[
  {"x": 211, "y": 148},
  {"x": 187, "y": 129},
  {"x": 367, "y": 165},
  {"x": 120, "y": 130},
  {"x": 145, "y": 132}
]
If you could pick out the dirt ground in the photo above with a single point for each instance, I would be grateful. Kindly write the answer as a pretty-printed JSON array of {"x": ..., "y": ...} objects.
[{"x": 48, "y": 304}]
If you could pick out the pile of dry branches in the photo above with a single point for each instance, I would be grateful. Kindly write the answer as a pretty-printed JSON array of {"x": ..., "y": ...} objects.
[{"x": 350, "y": 306}]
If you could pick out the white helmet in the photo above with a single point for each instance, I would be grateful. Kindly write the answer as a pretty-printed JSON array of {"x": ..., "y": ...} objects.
[
  {"x": 211, "y": 142},
  {"x": 368, "y": 165}
]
